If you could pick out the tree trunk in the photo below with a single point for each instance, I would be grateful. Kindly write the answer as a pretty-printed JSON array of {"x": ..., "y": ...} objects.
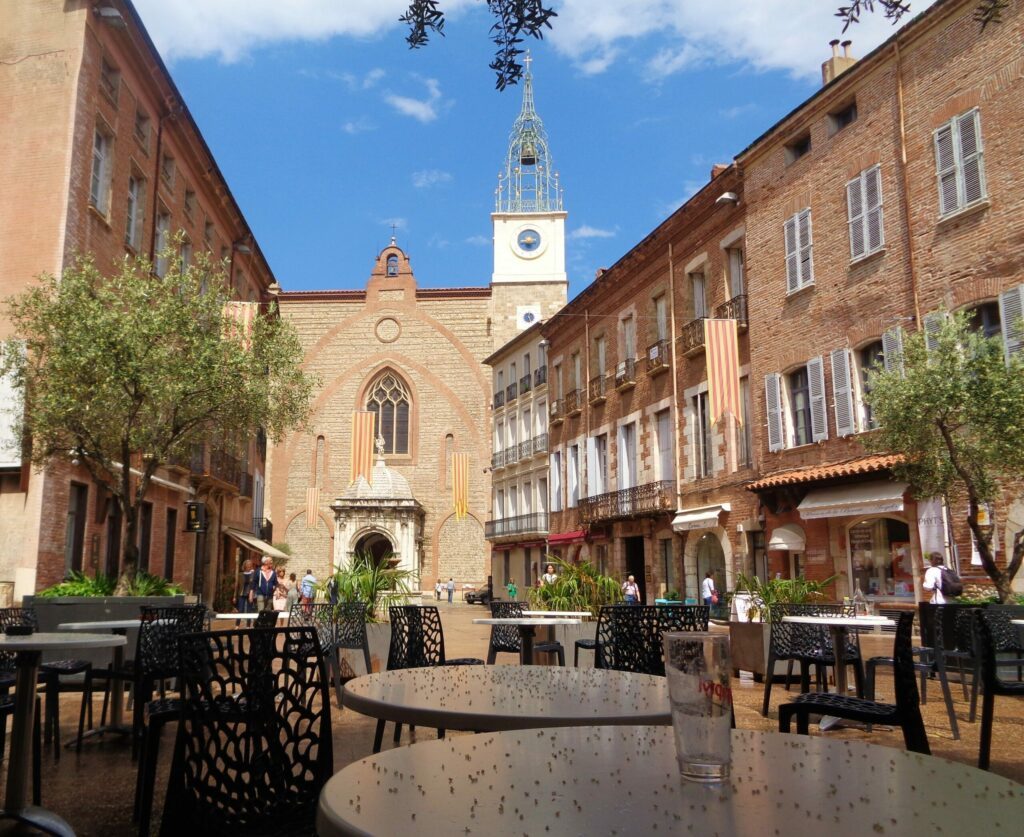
[{"x": 130, "y": 552}]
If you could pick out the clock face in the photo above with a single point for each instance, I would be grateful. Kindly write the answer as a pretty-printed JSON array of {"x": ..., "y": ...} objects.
[
  {"x": 528, "y": 240},
  {"x": 529, "y": 317}
]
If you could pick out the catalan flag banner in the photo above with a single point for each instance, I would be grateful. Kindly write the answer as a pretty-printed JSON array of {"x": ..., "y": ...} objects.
[
  {"x": 460, "y": 483},
  {"x": 722, "y": 348},
  {"x": 362, "y": 445},
  {"x": 239, "y": 319},
  {"x": 312, "y": 506}
]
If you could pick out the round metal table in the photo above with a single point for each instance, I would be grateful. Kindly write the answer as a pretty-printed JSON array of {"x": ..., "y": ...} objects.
[{"x": 618, "y": 780}]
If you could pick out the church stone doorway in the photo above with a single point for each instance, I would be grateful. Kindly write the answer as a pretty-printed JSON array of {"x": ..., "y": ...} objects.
[{"x": 377, "y": 546}]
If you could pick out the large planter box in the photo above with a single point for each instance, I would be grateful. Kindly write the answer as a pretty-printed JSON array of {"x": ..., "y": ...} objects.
[
  {"x": 378, "y": 635},
  {"x": 748, "y": 646}
]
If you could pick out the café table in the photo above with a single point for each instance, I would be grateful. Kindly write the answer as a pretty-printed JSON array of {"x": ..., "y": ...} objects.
[
  {"x": 491, "y": 698},
  {"x": 838, "y": 627},
  {"x": 248, "y": 617},
  {"x": 580, "y": 614},
  {"x": 28, "y": 651},
  {"x": 527, "y": 627},
  {"x": 624, "y": 780}
]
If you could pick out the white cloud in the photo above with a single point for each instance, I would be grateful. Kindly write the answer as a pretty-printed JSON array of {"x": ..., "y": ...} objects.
[
  {"x": 479, "y": 241},
  {"x": 763, "y": 34},
  {"x": 423, "y": 110},
  {"x": 587, "y": 231},
  {"x": 358, "y": 126},
  {"x": 737, "y": 110},
  {"x": 430, "y": 177}
]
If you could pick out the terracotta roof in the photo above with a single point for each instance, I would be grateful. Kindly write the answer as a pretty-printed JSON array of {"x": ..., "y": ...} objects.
[{"x": 852, "y": 467}]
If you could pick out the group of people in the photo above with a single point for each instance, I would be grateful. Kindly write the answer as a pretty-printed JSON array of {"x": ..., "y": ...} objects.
[
  {"x": 442, "y": 587},
  {"x": 708, "y": 591},
  {"x": 264, "y": 589}
]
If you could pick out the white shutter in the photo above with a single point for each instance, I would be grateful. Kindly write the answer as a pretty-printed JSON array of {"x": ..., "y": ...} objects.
[
  {"x": 842, "y": 390},
  {"x": 773, "y": 404},
  {"x": 591, "y": 476},
  {"x": 945, "y": 164},
  {"x": 855, "y": 214},
  {"x": 932, "y": 326},
  {"x": 971, "y": 170},
  {"x": 806, "y": 260},
  {"x": 555, "y": 481},
  {"x": 873, "y": 232},
  {"x": 1011, "y": 310},
  {"x": 792, "y": 257},
  {"x": 892, "y": 349},
  {"x": 816, "y": 391}
]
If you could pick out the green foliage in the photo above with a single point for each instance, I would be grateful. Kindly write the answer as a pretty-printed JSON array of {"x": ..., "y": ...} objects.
[
  {"x": 99, "y": 585},
  {"x": 147, "y": 584},
  {"x": 578, "y": 587},
  {"x": 957, "y": 412},
  {"x": 376, "y": 584},
  {"x": 765, "y": 594}
]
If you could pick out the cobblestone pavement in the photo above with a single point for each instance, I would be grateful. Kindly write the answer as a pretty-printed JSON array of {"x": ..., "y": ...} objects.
[{"x": 93, "y": 790}]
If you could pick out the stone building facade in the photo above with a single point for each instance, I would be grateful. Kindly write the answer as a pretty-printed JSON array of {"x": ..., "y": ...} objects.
[{"x": 102, "y": 157}]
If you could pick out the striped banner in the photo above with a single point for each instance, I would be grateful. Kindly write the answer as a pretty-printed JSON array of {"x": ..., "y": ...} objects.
[
  {"x": 362, "y": 445},
  {"x": 239, "y": 318},
  {"x": 312, "y": 506},
  {"x": 722, "y": 348},
  {"x": 460, "y": 483}
]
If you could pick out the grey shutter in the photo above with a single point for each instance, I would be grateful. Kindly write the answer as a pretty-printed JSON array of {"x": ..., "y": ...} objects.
[
  {"x": 1011, "y": 310},
  {"x": 892, "y": 349},
  {"x": 932, "y": 326},
  {"x": 972, "y": 173},
  {"x": 855, "y": 216},
  {"x": 842, "y": 390},
  {"x": 773, "y": 405},
  {"x": 816, "y": 390},
  {"x": 806, "y": 260},
  {"x": 792, "y": 258},
  {"x": 873, "y": 232},
  {"x": 945, "y": 164}
]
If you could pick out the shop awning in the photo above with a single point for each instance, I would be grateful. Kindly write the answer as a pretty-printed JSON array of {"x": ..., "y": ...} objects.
[
  {"x": 250, "y": 541},
  {"x": 704, "y": 517},
  {"x": 873, "y": 497},
  {"x": 789, "y": 536},
  {"x": 567, "y": 537}
]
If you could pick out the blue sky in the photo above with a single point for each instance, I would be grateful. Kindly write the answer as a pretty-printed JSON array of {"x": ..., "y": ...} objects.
[{"x": 329, "y": 129}]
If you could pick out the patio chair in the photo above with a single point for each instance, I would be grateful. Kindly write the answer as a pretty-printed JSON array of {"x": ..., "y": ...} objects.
[
  {"x": 507, "y": 639},
  {"x": 417, "y": 641},
  {"x": 254, "y": 746},
  {"x": 264, "y": 619},
  {"x": 322, "y": 618},
  {"x": 1006, "y": 641},
  {"x": 905, "y": 713},
  {"x": 350, "y": 623},
  {"x": 629, "y": 637},
  {"x": 988, "y": 626}
]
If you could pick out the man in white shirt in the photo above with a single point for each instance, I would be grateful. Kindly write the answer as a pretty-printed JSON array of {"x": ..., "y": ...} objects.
[
  {"x": 707, "y": 588},
  {"x": 933, "y": 578}
]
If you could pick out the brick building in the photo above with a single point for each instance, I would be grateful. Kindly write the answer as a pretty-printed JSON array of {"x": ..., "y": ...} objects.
[
  {"x": 888, "y": 197},
  {"x": 101, "y": 156}
]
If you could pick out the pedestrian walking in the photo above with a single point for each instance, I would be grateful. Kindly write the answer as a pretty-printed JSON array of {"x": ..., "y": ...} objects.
[
  {"x": 292, "y": 596},
  {"x": 512, "y": 590},
  {"x": 308, "y": 589},
  {"x": 631, "y": 590},
  {"x": 451, "y": 590},
  {"x": 265, "y": 584},
  {"x": 708, "y": 591},
  {"x": 245, "y": 580},
  {"x": 438, "y": 587}
]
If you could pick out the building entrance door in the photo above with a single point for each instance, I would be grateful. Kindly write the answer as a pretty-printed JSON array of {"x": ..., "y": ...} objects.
[{"x": 635, "y": 564}]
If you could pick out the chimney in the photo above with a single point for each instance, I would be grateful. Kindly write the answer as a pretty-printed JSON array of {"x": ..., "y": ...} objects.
[
  {"x": 837, "y": 64},
  {"x": 599, "y": 272},
  {"x": 717, "y": 169}
]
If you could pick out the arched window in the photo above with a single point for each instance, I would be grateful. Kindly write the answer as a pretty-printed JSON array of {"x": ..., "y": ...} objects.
[
  {"x": 389, "y": 398},
  {"x": 392, "y": 269}
]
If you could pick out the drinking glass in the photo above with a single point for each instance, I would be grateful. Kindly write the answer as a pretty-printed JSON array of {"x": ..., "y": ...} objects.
[{"x": 698, "y": 668}]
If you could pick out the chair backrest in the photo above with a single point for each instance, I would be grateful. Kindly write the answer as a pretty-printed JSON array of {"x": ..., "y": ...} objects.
[
  {"x": 789, "y": 640},
  {"x": 254, "y": 746},
  {"x": 629, "y": 637},
  {"x": 417, "y": 639},
  {"x": 1005, "y": 636},
  {"x": 156, "y": 650},
  {"x": 264, "y": 619},
  {"x": 350, "y": 625},
  {"x": 904, "y": 673},
  {"x": 939, "y": 628},
  {"x": 319, "y": 617},
  {"x": 683, "y": 617},
  {"x": 506, "y": 637},
  {"x": 13, "y": 616}
]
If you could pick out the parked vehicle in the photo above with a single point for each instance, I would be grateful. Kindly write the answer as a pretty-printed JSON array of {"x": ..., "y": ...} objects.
[{"x": 480, "y": 595}]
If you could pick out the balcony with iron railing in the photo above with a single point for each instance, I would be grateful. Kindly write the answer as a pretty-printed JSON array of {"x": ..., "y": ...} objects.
[
  {"x": 498, "y": 459},
  {"x": 215, "y": 465},
  {"x": 540, "y": 443},
  {"x": 523, "y": 524},
  {"x": 691, "y": 340},
  {"x": 659, "y": 356},
  {"x": 650, "y": 498},
  {"x": 499, "y": 400},
  {"x": 574, "y": 402},
  {"x": 512, "y": 454},
  {"x": 734, "y": 309},
  {"x": 556, "y": 412},
  {"x": 599, "y": 386},
  {"x": 525, "y": 449},
  {"x": 511, "y": 393},
  {"x": 263, "y": 529},
  {"x": 245, "y": 484},
  {"x": 540, "y": 376},
  {"x": 525, "y": 384},
  {"x": 625, "y": 375}
]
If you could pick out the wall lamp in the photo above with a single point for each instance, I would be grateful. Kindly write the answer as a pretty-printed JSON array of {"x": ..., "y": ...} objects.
[
  {"x": 110, "y": 16},
  {"x": 727, "y": 197}
]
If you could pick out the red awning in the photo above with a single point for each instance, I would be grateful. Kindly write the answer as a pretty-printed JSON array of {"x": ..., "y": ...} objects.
[{"x": 567, "y": 537}]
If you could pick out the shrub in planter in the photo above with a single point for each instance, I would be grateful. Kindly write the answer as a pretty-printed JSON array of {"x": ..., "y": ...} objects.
[{"x": 141, "y": 584}]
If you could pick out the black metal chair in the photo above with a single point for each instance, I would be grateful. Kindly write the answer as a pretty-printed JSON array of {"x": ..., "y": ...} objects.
[
  {"x": 629, "y": 637},
  {"x": 905, "y": 713},
  {"x": 254, "y": 746},
  {"x": 1005, "y": 639},
  {"x": 322, "y": 618},
  {"x": 350, "y": 624},
  {"x": 507, "y": 639},
  {"x": 990, "y": 629},
  {"x": 417, "y": 641},
  {"x": 264, "y": 619}
]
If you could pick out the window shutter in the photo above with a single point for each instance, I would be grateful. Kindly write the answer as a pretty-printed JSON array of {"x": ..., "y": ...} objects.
[
  {"x": 842, "y": 390},
  {"x": 792, "y": 259},
  {"x": 1011, "y": 310},
  {"x": 873, "y": 233},
  {"x": 855, "y": 214},
  {"x": 945, "y": 163},
  {"x": 773, "y": 404},
  {"x": 591, "y": 467},
  {"x": 969, "y": 128},
  {"x": 816, "y": 390},
  {"x": 932, "y": 326},
  {"x": 806, "y": 262},
  {"x": 892, "y": 349}
]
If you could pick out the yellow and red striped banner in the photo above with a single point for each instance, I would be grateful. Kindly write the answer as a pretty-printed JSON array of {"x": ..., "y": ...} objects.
[
  {"x": 240, "y": 317},
  {"x": 362, "y": 444},
  {"x": 722, "y": 347},
  {"x": 460, "y": 483},
  {"x": 312, "y": 506}
]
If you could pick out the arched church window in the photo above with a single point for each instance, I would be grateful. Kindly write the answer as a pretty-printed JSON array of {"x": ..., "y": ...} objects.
[
  {"x": 389, "y": 398},
  {"x": 392, "y": 265}
]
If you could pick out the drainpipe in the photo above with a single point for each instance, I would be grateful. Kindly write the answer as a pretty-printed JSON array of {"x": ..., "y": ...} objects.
[
  {"x": 905, "y": 178},
  {"x": 156, "y": 184},
  {"x": 676, "y": 427}
]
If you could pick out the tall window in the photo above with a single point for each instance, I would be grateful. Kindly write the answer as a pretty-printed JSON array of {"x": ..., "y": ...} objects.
[
  {"x": 163, "y": 233},
  {"x": 577, "y": 370},
  {"x": 737, "y": 282},
  {"x": 800, "y": 406},
  {"x": 133, "y": 216},
  {"x": 574, "y": 476},
  {"x": 102, "y": 158},
  {"x": 666, "y": 458},
  {"x": 864, "y": 212},
  {"x": 871, "y": 356},
  {"x": 526, "y": 364},
  {"x": 601, "y": 353},
  {"x": 796, "y": 406},
  {"x": 959, "y": 162},
  {"x": 389, "y": 399},
  {"x": 701, "y": 436},
  {"x": 627, "y": 455},
  {"x": 985, "y": 319},
  {"x": 744, "y": 434},
  {"x": 661, "y": 317},
  {"x": 629, "y": 337},
  {"x": 698, "y": 288},
  {"x": 556, "y": 481},
  {"x": 74, "y": 528},
  {"x": 799, "y": 251},
  {"x": 597, "y": 465}
]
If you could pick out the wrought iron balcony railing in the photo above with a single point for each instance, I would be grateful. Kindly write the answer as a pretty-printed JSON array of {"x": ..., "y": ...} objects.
[
  {"x": 625, "y": 374},
  {"x": 556, "y": 411},
  {"x": 734, "y": 309},
  {"x": 658, "y": 357},
  {"x": 599, "y": 386},
  {"x": 540, "y": 376},
  {"x": 692, "y": 338},
  {"x": 573, "y": 402},
  {"x": 511, "y": 393},
  {"x": 649, "y": 498},
  {"x": 498, "y": 459},
  {"x": 525, "y": 449},
  {"x": 499, "y": 400},
  {"x": 512, "y": 454},
  {"x": 523, "y": 524},
  {"x": 540, "y": 443},
  {"x": 263, "y": 529},
  {"x": 525, "y": 384}
]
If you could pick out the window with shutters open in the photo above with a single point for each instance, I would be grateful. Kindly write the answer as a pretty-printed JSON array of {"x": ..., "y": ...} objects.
[
  {"x": 799, "y": 261},
  {"x": 864, "y": 211},
  {"x": 959, "y": 162},
  {"x": 773, "y": 406},
  {"x": 1011, "y": 313}
]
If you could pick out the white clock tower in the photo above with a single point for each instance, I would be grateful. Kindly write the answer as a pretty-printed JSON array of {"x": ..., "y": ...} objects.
[{"x": 529, "y": 222}]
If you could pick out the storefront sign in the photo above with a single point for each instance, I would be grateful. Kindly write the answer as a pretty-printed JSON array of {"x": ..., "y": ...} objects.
[{"x": 195, "y": 517}]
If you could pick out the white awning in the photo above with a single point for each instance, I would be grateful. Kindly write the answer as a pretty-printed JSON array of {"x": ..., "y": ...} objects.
[
  {"x": 250, "y": 541},
  {"x": 705, "y": 517},
  {"x": 789, "y": 536},
  {"x": 873, "y": 497}
]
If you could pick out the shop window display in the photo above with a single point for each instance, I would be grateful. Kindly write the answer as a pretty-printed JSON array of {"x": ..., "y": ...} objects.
[{"x": 881, "y": 558}]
